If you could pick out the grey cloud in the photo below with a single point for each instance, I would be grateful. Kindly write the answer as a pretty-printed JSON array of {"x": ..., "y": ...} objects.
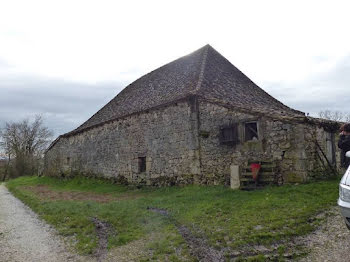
[
  {"x": 327, "y": 90},
  {"x": 63, "y": 104}
]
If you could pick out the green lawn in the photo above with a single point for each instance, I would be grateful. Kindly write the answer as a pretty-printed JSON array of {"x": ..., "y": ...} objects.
[{"x": 230, "y": 219}]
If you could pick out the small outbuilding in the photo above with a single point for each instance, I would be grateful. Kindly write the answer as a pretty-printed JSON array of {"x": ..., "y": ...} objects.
[{"x": 196, "y": 120}]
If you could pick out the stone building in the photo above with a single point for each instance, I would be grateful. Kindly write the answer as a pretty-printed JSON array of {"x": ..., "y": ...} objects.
[{"x": 198, "y": 120}]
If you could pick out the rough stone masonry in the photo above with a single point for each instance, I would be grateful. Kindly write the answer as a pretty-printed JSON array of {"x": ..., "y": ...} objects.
[{"x": 190, "y": 121}]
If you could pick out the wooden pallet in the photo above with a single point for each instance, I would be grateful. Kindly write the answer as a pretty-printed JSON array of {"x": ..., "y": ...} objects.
[{"x": 267, "y": 176}]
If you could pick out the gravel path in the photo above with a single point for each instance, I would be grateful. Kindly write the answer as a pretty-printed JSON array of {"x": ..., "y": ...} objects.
[
  {"x": 331, "y": 242},
  {"x": 24, "y": 237}
]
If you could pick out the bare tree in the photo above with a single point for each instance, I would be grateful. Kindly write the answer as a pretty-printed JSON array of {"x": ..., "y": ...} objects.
[
  {"x": 331, "y": 115},
  {"x": 24, "y": 142},
  {"x": 347, "y": 118}
]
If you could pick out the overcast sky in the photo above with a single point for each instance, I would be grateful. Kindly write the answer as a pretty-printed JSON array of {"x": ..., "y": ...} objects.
[{"x": 66, "y": 59}]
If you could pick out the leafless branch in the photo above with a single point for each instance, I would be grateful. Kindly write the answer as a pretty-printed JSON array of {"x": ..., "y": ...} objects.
[
  {"x": 25, "y": 141},
  {"x": 332, "y": 115}
]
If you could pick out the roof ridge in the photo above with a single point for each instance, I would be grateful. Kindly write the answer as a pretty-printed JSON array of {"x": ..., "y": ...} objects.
[
  {"x": 208, "y": 47},
  {"x": 202, "y": 68},
  {"x": 203, "y": 72}
]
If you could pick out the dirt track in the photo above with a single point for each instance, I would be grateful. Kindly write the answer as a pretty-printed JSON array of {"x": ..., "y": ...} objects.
[
  {"x": 24, "y": 237},
  {"x": 331, "y": 242}
]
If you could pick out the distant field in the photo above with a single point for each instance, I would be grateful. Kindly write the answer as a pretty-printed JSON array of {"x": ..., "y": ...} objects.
[{"x": 157, "y": 222}]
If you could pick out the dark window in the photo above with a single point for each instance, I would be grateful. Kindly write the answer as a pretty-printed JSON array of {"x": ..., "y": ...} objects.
[
  {"x": 68, "y": 161},
  {"x": 229, "y": 135},
  {"x": 251, "y": 131},
  {"x": 142, "y": 164}
]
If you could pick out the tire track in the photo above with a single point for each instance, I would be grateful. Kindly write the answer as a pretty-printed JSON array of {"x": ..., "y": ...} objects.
[{"x": 199, "y": 247}]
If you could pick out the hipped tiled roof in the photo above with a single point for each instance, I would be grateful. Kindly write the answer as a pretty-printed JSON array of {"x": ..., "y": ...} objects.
[{"x": 205, "y": 73}]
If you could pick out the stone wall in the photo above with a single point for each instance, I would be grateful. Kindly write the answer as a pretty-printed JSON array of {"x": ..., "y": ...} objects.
[
  {"x": 164, "y": 136},
  {"x": 181, "y": 144},
  {"x": 290, "y": 145}
]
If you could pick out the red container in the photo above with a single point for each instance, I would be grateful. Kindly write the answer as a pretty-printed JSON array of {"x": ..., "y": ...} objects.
[{"x": 255, "y": 167}]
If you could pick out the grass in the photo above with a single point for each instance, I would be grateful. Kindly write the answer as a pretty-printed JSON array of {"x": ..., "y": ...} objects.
[{"x": 227, "y": 218}]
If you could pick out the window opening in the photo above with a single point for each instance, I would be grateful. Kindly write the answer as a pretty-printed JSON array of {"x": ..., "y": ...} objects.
[
  {"x": 251, "y": 131},
  {"x": 142, "y": 164}
]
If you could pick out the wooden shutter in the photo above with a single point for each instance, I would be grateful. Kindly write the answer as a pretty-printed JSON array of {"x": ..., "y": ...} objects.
[{"x": 229, "y": 134}]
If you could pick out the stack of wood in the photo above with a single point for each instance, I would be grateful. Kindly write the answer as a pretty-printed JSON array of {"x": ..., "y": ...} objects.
[{"x": 268, "y": 175}]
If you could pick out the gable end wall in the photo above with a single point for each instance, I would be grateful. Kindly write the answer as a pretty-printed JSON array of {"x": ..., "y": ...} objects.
[{"x": 290, "y": 145}]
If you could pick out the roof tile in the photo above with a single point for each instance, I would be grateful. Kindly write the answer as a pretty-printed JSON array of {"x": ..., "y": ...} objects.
[{"x": 204, "y": 72}]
